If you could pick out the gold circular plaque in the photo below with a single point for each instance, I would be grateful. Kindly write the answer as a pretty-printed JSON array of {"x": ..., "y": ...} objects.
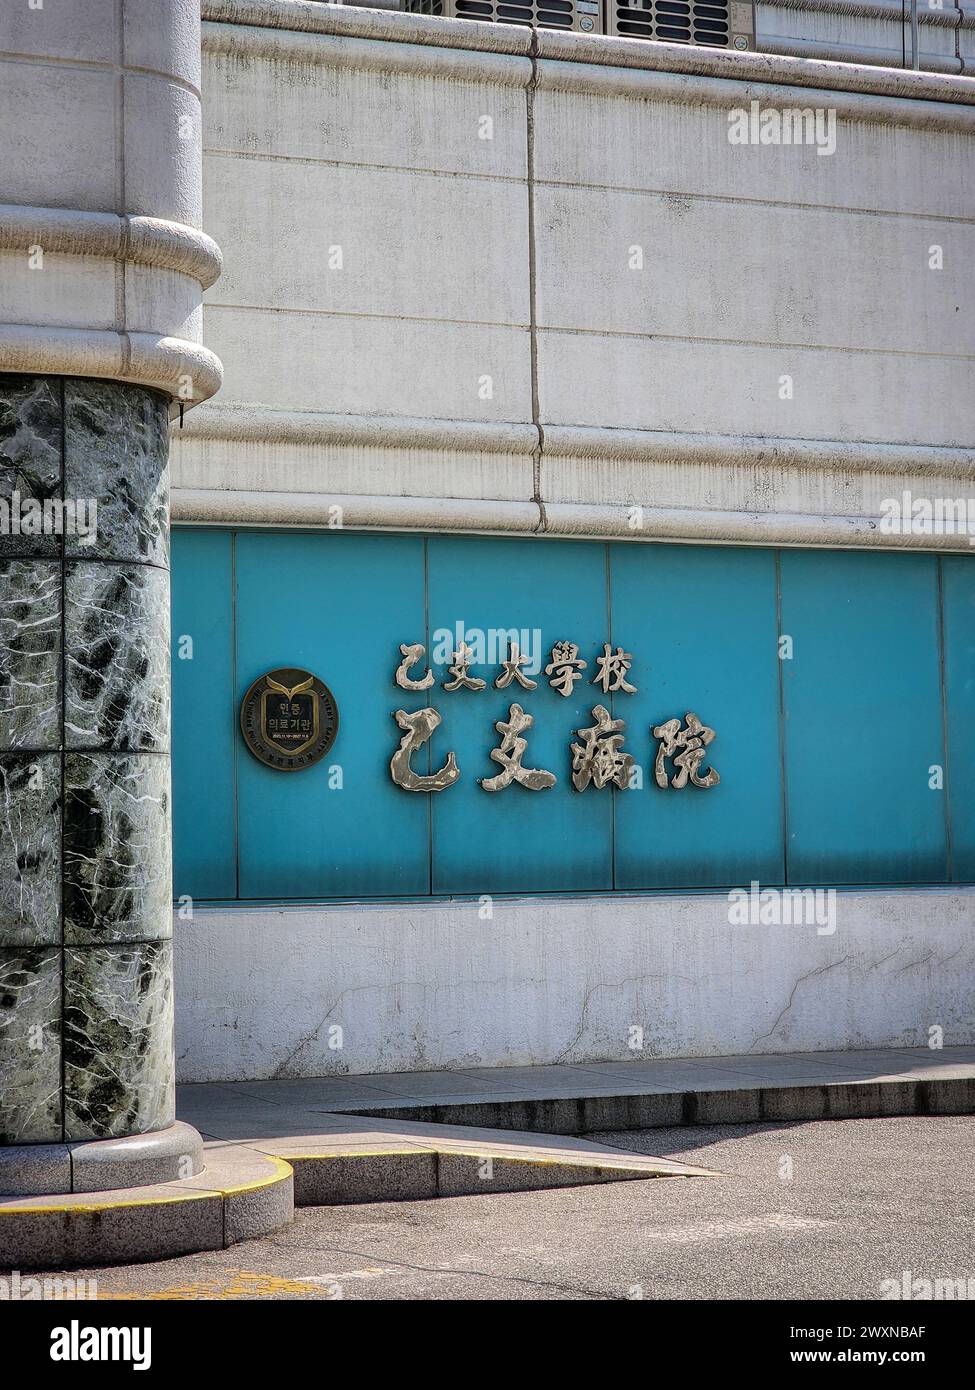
[{"x": 289, "y": 719}]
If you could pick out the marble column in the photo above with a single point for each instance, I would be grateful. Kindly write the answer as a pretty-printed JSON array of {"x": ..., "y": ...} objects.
[{"x": 86, "y": 1002}]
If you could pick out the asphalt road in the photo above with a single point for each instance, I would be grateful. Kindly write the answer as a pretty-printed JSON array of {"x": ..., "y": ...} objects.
[{"x": 801, "y": 1211}]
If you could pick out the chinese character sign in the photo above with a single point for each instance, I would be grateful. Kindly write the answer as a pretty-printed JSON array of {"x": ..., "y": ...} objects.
[{"x": 598, "y": 757}]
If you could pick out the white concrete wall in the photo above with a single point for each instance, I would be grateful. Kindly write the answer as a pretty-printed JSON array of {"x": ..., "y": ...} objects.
[
  {"x": 418, "y": 986},
  {"x": 465, "y": 258}
]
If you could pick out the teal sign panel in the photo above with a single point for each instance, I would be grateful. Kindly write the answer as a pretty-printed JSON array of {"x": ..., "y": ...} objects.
[
  {"x": 864, "y": 724},
  {"x": 840, "y": 687}
]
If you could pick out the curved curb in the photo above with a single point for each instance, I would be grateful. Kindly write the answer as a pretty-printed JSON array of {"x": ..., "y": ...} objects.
[
  {"x": 251, "y": 1188},
  {"x": 101, "y": 1165},
  {"x": 420, "y": 1172},
  {"x": 242, "y": 1194}
]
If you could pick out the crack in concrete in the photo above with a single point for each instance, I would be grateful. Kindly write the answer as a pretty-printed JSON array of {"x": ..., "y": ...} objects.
[
  {"x": 439, "y": 1269},
  {"x": 810, "y": 974}
]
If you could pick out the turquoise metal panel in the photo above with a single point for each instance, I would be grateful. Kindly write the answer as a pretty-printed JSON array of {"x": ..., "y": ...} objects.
[
  {"x": 863, "y": 707},
  {"x": 862, "y": 698},
  {"x": 338, "y": 605},
  {"x": 700, "y": 622},
  {"x": 204, "y": 857},
  {"x": 958, "y": 584},
  {"x": 517, "y": 840}
]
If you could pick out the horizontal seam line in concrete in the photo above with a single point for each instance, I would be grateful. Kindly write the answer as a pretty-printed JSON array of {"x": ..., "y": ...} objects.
[
  {"x": 259, "y": 157},
  {"x": 106, "y": 65},
  {"x": 683, "y": 194},
  {"x": 350, "y": 314},
  {"x": 585, "y": 332},
  {"x": 521, "y": 180},
  {"x": 754, "y": 343}
]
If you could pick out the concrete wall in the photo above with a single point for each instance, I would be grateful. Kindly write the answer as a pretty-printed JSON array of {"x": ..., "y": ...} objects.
[
  {"x": 508, "y": 258},
  {"x": 435, "y": 985},
  {"x": 869, "y": 31}
]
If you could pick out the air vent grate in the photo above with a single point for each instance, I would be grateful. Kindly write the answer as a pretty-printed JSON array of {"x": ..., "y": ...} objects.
[
  {"x": 584, "y": 15},
  {"x": 719, "y": 23},
  {"x": 727, "y": 25}
]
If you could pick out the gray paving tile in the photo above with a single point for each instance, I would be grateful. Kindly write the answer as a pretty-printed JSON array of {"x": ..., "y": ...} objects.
[
  {"x": 560, "y": 1099},
  {"x": 435, "y": 1085}
]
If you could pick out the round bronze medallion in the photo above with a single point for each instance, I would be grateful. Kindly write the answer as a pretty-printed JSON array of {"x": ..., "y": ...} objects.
[{"x": 289, "y": 719}]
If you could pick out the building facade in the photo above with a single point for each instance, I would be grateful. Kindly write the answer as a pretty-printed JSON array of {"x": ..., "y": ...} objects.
[{"x": 651, "y": 361}]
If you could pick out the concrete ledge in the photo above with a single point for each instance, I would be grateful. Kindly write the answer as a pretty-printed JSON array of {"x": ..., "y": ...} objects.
[
  {"x": 267, "y": 18},
  {"x": 262, "y": 426},
  {"x": 367, "y": 52},
  {"x": 145, "y": 359},
  {"x": 242, "y": 1194},
  {"x": 249, "y": 1189},
  {"x": 252, "y": 424},
  {"x": 839, "y": 1100},
  {"x": 646, "y": 468},
  {"x": 213, "y": 506},
  {"x": 101, "y": 1165},
  {"x": 858, "y": 53},
  {"x": 139, "y": 1160},
  {"x": 339, "y": 1159},
  {"x": 587, "y": 1097},
  {"x": 30, "y": 1170},
  {"x": 140, "y": 240},
  {"x": 851, "y": 100}
]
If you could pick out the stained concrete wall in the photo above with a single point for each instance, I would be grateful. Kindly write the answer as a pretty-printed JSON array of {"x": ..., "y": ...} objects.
[
  {"x": 611, "y": 389},
  {"x": 439, "y": 985},
  {"x": 489, "y": 358}
]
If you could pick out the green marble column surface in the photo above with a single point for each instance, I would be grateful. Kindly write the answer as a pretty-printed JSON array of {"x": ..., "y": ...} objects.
[{"x": 86, "y": 1047}]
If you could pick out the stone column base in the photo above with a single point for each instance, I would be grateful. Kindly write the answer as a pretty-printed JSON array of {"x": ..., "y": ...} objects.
[{"x": 101, "y": 1165}]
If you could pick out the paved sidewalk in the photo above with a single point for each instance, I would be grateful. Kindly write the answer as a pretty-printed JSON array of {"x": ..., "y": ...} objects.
[
  {"x": 569, "y": 1100},
  {"x": 274, "y": 1145}
]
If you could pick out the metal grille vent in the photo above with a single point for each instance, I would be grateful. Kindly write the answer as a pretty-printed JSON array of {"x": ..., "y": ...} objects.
[
  {"x": 585, "y": 15},
  {"x": 549, "y": 14},
  {"x": 720, "y": 23},
  {"x": 673, "y": 21}
]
